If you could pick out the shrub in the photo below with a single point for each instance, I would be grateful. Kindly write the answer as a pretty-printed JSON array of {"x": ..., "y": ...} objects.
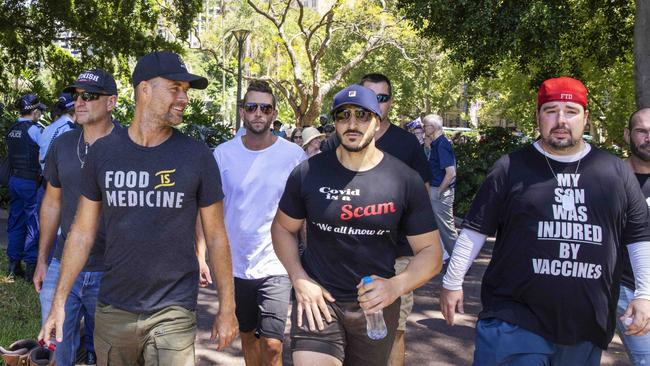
[{"x": 475, "y": 157}]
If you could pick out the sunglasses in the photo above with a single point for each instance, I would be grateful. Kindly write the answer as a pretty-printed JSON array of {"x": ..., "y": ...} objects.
[
  {"x": 252, "y": 107},
  {"x": 343, "y": 115},
  {"x": 383, "y": 98},
  {"x": 86, "y": 96}
]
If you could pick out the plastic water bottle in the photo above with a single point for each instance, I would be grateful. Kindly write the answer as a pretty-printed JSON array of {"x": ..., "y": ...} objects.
[{"x": 375, "y": 324}]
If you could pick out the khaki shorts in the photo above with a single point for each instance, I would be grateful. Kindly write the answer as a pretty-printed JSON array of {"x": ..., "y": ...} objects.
[
  {"x": 162, "y": 338},
  {"x": 407, "y": 299}
]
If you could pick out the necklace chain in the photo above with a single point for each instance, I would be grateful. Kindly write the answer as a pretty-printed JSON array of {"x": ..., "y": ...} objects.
[
  {"x": 82, "y": 161},
  {"x": 551, "y": 168}
]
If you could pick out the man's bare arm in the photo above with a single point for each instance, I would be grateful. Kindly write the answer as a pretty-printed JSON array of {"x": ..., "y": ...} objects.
[
  {"x": 426, "y": 263},
  {"x": 75, "y": 255},
  {"x": 49, "y": 220},
  {"x": 216, "y": 241},
  {"x": 310, "y": 295},
  {"x": 205, "y": 278},
  {"x": 450, "y": 174}
]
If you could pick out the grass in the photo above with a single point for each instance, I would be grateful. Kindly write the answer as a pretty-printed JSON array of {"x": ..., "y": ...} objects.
[{"x": 20, "y": 308}]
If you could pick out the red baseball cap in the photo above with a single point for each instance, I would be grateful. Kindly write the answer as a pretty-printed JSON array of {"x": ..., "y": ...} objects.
[{"x": 564, "y": 89}]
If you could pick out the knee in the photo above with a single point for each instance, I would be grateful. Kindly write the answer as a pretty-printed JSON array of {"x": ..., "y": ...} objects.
[{"x": 271, "y": 347}]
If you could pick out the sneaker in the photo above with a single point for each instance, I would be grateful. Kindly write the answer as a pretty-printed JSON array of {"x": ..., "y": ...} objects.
[
  {"x": 91, "y": 358},
  {"x": 15, "y": 269}
]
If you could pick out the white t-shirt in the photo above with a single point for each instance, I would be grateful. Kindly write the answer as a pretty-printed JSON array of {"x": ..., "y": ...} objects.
[{"x": 253, "y": 182}]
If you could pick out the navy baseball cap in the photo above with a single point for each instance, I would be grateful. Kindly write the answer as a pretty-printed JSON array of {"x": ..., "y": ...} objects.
[
  {"x": 65, "y": 102},
  {"x": 94, "y": 81},
  {"x": 167, "y": 65},
  {"x": 28, "y": 103},
  {"x": 359, "y": 96}
]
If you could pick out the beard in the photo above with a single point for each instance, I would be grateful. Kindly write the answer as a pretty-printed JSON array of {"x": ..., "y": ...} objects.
[
  {"x": 560, "y": 144},
  {"x": 360, "y": 147},
  {"x": 640, "y": 151},
  {"x": 257, "y": 131}
]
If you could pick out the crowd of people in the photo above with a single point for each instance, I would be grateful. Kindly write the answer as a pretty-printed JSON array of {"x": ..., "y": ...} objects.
[{"x": 326, "y": 224}]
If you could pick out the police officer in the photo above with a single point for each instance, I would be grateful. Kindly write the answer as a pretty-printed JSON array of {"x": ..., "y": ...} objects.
[{"x": 24, "y": 183}]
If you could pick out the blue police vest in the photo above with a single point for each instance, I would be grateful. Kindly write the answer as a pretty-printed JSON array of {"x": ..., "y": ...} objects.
[{"x": 23, "y": 151}]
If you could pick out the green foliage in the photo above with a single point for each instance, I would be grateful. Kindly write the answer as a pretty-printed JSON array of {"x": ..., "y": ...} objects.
[
  {"x": 474, "y": 159},
  {"x": 20, "y": 317},
  {"x": 542, "y": 37},
  {"x": 102, "y": 33}
]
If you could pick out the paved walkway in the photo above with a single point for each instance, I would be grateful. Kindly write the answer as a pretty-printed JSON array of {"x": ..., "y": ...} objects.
[{"x": 429, "y": 340}]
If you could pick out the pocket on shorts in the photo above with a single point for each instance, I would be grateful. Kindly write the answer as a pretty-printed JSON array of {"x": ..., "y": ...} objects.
[
  {"x": 175, "y": 344},
  {"x": 102, "y": 350}
]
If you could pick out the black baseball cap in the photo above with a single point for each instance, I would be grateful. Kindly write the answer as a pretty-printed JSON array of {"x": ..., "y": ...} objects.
[
  {"x": 28, "y": 103},
  {"x": 167, "y": 65},
  {"x": 94, "y": 81}
]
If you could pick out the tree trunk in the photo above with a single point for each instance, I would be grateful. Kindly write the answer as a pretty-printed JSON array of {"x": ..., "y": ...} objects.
[{"x": 642, "y": 53}]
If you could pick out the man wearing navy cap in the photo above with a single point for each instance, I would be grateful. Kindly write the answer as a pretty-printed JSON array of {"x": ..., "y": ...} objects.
[
  {"x": 149, "y": 182},
  {"x": 62, "y": 172},
  {"x": 562, "y": 210},
  {"x": 24, "y": 183},
  {"x": 64, "y": 107},
  {"x": 355, "y": 200}
]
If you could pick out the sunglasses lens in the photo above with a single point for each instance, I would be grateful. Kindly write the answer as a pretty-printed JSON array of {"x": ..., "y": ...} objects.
[
  {"x": 383, "y": 98},
  {"x": 250, "y": 107},
  {"x": 362, "y": 115},
  {"x": 266, "y": 108},
  {"x": 342, "y": 115},
  {"x": 86, "y": 96}
]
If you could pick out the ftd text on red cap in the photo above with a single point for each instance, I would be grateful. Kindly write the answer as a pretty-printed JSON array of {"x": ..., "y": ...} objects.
[{"x": 564, "y": 89}]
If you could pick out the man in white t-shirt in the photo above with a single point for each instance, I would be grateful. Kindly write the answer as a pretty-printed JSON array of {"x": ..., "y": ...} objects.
[{"x": 254, "y": 170}]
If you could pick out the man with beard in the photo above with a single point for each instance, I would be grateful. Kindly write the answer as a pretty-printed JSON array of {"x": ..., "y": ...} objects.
[
  {"x": 562, "y": 211},
  {"x": 404, "y": 146},
  {"x": 637, "y": 135},
  {"x": 149, "y": 181},
  {"x": 254, "y": 169},
  {"x": 95, "y": 95},
  {"x": 356, "y": 200}
]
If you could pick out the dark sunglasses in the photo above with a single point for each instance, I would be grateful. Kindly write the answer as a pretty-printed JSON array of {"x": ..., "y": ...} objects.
[
  {"x": 252, "y": 107},
  {"x": 383, "y": 98},
  {"x": 86, "y": 96},
  {"x": 361, "y": 115}
]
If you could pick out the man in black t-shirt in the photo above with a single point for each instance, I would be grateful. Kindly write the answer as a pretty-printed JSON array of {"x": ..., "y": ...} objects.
[
  {"x": 149, "y": 181},
  {"x": 95, "y": 95},
  {"x": 562, "y": 211},
  {"x": 356, "y": 200},
  {"x": 637, "y": 135},
  {"x": 405, "y": 147}
]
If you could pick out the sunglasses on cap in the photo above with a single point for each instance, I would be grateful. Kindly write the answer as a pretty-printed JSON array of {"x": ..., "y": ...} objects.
[
  {"x": 252, "y": 107},
  {"x": 343, "y": 115},
  {"x": 86, "y": 96},
  {"x": 383, "y": 98}
]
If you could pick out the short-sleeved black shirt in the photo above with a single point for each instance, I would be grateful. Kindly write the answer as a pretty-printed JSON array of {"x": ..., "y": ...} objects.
[
  {"x": 405, "y": 147},
  {"x": 63, "y": 170},
  {"x": 150, "y": 197},
  {"x": 628, "y": 275},
  {"x": 353, "y": 218},
  {"x": 555, "y": 267}
]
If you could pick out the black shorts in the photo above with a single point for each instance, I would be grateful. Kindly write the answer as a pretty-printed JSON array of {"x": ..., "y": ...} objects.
[
  {"x": 262, "y": 305},
  {"x": 346, "y": 337}
]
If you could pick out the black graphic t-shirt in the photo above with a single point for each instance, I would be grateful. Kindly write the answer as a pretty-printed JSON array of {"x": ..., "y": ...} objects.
[
  {"x": 150, "y": 197},
  {"x": 404, "y": 146},
  {"x": 628, "y": 275},
  {"x": 353, "y": 218},
  {"x": 63, "y": 170},
  {"x": 555, "y": 267}
]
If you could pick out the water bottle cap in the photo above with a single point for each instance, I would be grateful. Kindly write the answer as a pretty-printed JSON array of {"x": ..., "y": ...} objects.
[{"x": 366, "y": 280}]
